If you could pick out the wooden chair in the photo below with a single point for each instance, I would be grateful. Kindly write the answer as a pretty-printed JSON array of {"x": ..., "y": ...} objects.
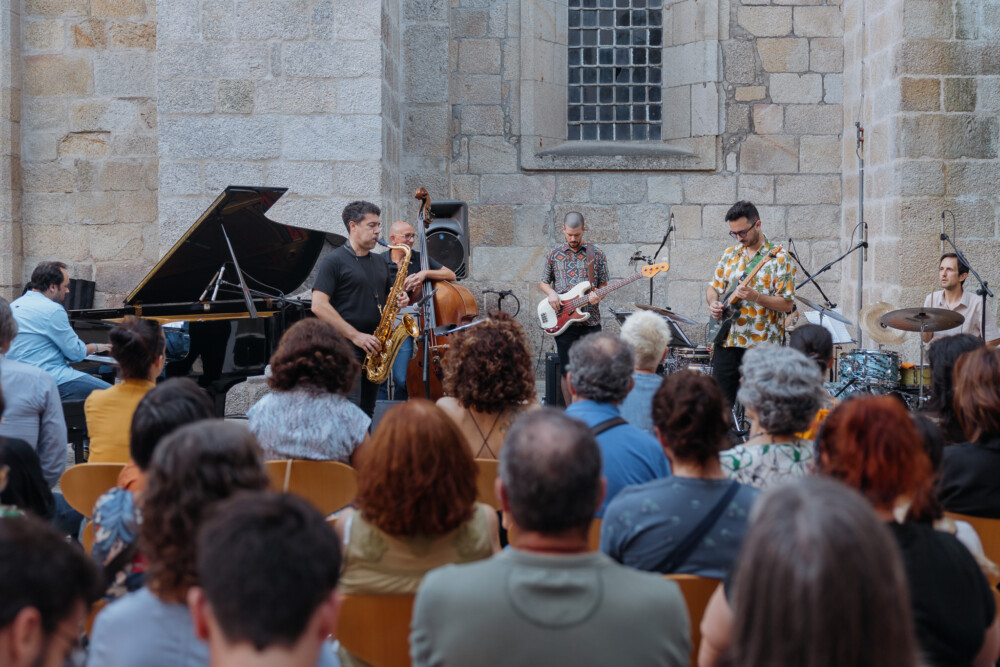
[
  {"x": 486, "y": 483},
  {"x": 83, "y": 484},
  {"x": 989, "y": 534},
  {"x": 328, "y": 485},
  {"x": 696, "y": 591},
  {"x": 87, "y": 538},
  {"x": 376, "y": 628}
]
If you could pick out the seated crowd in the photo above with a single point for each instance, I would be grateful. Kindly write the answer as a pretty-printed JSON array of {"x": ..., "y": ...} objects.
[{"x": 825, "y": 535}]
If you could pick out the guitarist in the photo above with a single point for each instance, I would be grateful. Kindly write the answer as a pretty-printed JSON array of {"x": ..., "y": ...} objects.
[
  {"x": 762, "y": 303},
  {"x": 565, "y": 266}
]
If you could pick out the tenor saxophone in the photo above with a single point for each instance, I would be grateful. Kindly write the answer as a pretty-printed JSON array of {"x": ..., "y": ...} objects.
[{"x": 378, "y": 365}]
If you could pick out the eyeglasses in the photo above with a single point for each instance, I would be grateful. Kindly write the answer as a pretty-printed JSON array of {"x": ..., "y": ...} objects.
[
  {"x": 742, "y": 233},
  {"x": 407, "y": 236}
]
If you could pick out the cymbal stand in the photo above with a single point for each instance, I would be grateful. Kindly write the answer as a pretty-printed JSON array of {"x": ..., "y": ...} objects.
[{"x": 920, "y": 392}]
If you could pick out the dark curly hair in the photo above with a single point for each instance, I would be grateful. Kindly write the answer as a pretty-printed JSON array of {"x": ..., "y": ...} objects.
[
  {"x": 312, "y": 354},
  {"x": 418, "y": 477},
  {"x": 689, "y": 411},
  {"x": 195, "y": 466},
  {"x": 488, "y": 367},
  {"x": 136, "y": 343}
]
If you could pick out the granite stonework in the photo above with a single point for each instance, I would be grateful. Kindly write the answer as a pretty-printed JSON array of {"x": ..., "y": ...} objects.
[{"x": 123, "y": 119}]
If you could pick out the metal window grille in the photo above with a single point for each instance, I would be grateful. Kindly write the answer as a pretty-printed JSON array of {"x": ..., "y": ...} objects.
[{"x": 615, "y": 69}]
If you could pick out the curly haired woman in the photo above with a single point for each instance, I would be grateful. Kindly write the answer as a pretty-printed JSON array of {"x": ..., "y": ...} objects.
[
  {"x": 488, "y": 381},
  {"x": 308, "y": 416}
]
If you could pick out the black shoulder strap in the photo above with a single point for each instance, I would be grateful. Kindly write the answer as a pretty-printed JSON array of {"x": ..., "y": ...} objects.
[
  {"x": 590, "y": 265},
  {"x": 607, "y": 424},
  {"x": 679, "y": 555}
]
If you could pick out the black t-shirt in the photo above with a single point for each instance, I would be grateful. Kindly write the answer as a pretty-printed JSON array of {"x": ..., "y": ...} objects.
[
  {"x": 414, "y": 266},
  {"x": 970, "y": 479},
  {"x": 357, "y": 286},
  {"x": 951, "y": 599}
]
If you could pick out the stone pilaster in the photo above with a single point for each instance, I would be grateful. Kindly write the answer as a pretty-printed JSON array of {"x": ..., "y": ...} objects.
[{"x": 10, "y": 150}]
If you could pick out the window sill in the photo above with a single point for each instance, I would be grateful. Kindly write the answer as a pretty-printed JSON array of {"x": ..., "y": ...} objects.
[{"x": 694, "y": 154}]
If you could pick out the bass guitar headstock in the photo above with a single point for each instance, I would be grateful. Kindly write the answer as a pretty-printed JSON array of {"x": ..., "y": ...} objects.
[{"x": 651, "y": 270}]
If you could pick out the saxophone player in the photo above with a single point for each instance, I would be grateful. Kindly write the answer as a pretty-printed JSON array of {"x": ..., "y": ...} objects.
[
  {"x": 402, "y": 233},
  {"x": 351, "y": 288}
]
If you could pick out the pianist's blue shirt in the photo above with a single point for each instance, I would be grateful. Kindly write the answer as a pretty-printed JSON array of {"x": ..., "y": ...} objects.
[{"x": 45, "y": 338}]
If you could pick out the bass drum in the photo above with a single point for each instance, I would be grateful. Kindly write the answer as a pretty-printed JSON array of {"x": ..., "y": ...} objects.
[
  {"x": 693, "y": 358},
  {"x": 870, "y": 368}
]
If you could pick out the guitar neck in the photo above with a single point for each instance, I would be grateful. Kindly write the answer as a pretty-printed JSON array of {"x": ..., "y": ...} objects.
[{"x": 601, "y": 291}]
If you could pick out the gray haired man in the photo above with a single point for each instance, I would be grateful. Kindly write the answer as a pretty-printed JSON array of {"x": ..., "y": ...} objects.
[
  {"x": 547, "y": 600},
  {"x": 599, "y": 378}
]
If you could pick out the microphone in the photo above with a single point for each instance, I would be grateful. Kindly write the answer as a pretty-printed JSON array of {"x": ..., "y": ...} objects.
[
  {"x": 863, "y": 244},
  {"x": 670, "y": 228},
  {"x": 209, "y": 287},
  {"x": 943, "y": 235}
]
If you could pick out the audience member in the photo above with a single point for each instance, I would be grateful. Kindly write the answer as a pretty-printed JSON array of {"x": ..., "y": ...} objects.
[
  {"x": 45, "y": 337},
  {"x": 693, "y": 521},
  {"x": 308, "y": 415},
  {"x": 781, "y": 390},
  {"x": 819, "y": 582},
  {"x": 548, "y": 600},
  {"x": 599, "y": 377},
  {"x": 46, "y": 588},
  {"x": 488, "y": 381},
  {"x": 816, "y": 343},
  {"x": 416, "y": 506},
  {"x": 649, "y": 336},
  {"x": 168, "y": 406},
  {"x": 26, "y": 489},
  {"x": 34, "y": 412},
  {"x": 268, "y": 566},
  {"x": 970, "y": 471},
  {"x": 137, "y": 345},
  {"x": 953, "y": 607},
  {"x": 943, "y": 353},
  {"x": 193, "y": 468}
]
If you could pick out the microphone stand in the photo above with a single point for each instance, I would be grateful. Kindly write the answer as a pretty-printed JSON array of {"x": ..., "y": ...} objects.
[
  {"x": 983, "y": 290},
  {"x": 826, "y": 300},
  {"x": 812, "y": 278},
  {"x": 670, "y": 228}
]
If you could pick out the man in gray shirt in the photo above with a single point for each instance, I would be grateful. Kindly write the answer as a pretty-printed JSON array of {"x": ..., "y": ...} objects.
[
  {"x": 547, "y": 600},
  {"x": 34, "y": 411}
]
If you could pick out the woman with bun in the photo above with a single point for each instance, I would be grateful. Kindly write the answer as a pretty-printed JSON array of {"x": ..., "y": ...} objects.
[{"x": 138, "y": 347}]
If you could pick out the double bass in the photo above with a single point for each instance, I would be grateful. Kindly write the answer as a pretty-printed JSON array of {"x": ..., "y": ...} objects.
[{"x": 451, "y": 303}]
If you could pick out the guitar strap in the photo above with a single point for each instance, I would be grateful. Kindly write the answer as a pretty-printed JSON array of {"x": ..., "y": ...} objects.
[
  {"x": 761, "y": 254},
  {"x": 590, "y": 265}
]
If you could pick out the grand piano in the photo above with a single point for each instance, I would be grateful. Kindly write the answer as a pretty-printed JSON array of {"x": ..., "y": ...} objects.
[{"x": 227, "y": 278}]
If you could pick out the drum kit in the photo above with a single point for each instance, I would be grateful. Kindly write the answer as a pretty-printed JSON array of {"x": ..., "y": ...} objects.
[{"x": 871, "y": 372}]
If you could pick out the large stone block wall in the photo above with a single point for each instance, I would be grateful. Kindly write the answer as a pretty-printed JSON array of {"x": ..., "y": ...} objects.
[
  {"x": 10, "y": 150},
  {"x": 88, "y": 139},
  {"x": 924, "y": 78}
]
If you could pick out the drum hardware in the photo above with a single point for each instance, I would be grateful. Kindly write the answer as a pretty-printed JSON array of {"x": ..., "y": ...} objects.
[
  {"x": 923, "y": 320},
  {"x": 667, "y": 313},
  {"x": 677, "y": 336},
  {"x": 824, "y": 311}
]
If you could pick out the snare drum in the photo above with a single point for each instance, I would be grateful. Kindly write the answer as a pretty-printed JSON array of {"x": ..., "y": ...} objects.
[
  {"x": 910, "y": 375},
  {"x": 870, "y": 368}
]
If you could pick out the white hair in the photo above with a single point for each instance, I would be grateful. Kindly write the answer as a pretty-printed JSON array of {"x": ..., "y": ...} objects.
[{"x": 649, "y": 336}]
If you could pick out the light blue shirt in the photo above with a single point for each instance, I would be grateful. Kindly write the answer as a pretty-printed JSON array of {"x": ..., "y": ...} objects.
[
  {"x": 45, "y": 338},
  {"x": 629, "y": 456},
  {"x": 637, "y": 408},
  {"x": 33, "y": 413}
]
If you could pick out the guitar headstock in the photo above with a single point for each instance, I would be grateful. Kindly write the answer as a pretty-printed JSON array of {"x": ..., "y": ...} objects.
[{"x": 651, "y": 270}]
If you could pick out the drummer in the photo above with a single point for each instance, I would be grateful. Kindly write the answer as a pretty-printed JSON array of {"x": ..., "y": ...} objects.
[{"x": 952, "y": 274}]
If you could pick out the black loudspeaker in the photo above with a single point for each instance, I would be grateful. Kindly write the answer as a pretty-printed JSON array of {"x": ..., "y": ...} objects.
[
  {"x": 553, "y": 377},
  {"x": 80, "y": 295},
  {"x": 448, "y": 235}
]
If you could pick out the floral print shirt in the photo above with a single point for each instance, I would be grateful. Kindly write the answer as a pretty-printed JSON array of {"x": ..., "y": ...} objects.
[
  {"x": 565, "y": 268},
  {"x": 756, "y": 324},
  {"x": 764, "y": 466}
]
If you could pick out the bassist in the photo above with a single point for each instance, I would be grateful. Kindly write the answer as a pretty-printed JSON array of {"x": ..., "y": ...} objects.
[
  {"x": 762, "y": 303},
  {"x": 565, "y": 266}
]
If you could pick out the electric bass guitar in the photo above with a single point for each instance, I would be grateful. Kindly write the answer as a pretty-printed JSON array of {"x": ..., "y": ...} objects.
[
  {"x": 554, "y": 322},
  {"x": 718, "y": 329}
]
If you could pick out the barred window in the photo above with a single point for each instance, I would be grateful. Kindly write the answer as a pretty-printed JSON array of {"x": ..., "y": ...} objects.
[{"x": 615, "y": 70}]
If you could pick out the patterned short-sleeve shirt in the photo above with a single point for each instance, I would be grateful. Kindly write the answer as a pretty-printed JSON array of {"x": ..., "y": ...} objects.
[
  {"x": 756, "y": 324},
  {"x": 766, "y": 465},
  {"x": 565, "y": 268}
]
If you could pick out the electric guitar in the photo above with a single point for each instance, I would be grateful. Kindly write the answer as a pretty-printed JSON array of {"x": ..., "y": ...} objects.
[
  {"x": 718, "y": 329},
  {"x": 554, "y": 322}
]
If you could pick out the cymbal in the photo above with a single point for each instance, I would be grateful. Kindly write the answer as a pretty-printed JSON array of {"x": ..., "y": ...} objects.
[
  {"x": 669, "y": 314},
  {"x": 871, "y": 324},
  {"x": 922, "y": 319},
  {"x": 824, "y": 311}
]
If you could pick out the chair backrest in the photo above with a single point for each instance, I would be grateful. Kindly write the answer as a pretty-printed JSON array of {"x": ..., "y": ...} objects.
[
  {"x": 696, "y": 591},
  {"x": 87, "y": 538},
  {"x": 486, "y": 482},
  {"x": 988, "y": 531},
  {"x": 328, "y": 485},
  {"x": 376, "y": 628},
  {"x": 84, "y": 483}
]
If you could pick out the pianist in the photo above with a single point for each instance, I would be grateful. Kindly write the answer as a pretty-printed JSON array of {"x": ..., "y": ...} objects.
[{"x": 45, "y": 338}]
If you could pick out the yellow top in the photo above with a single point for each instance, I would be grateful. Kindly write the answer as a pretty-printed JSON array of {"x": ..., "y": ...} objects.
[{"x": 109, "y": 419}]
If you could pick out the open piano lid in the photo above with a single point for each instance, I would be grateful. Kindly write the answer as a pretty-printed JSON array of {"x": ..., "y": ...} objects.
[{"x": 273, "y": 256}]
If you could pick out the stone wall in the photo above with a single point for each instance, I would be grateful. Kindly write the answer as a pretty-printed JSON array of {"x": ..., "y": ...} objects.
[
  {"x": 924, "y": 78},
  {"x": 10, "y": 150},
  {"x": 88, "y": 139}
]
